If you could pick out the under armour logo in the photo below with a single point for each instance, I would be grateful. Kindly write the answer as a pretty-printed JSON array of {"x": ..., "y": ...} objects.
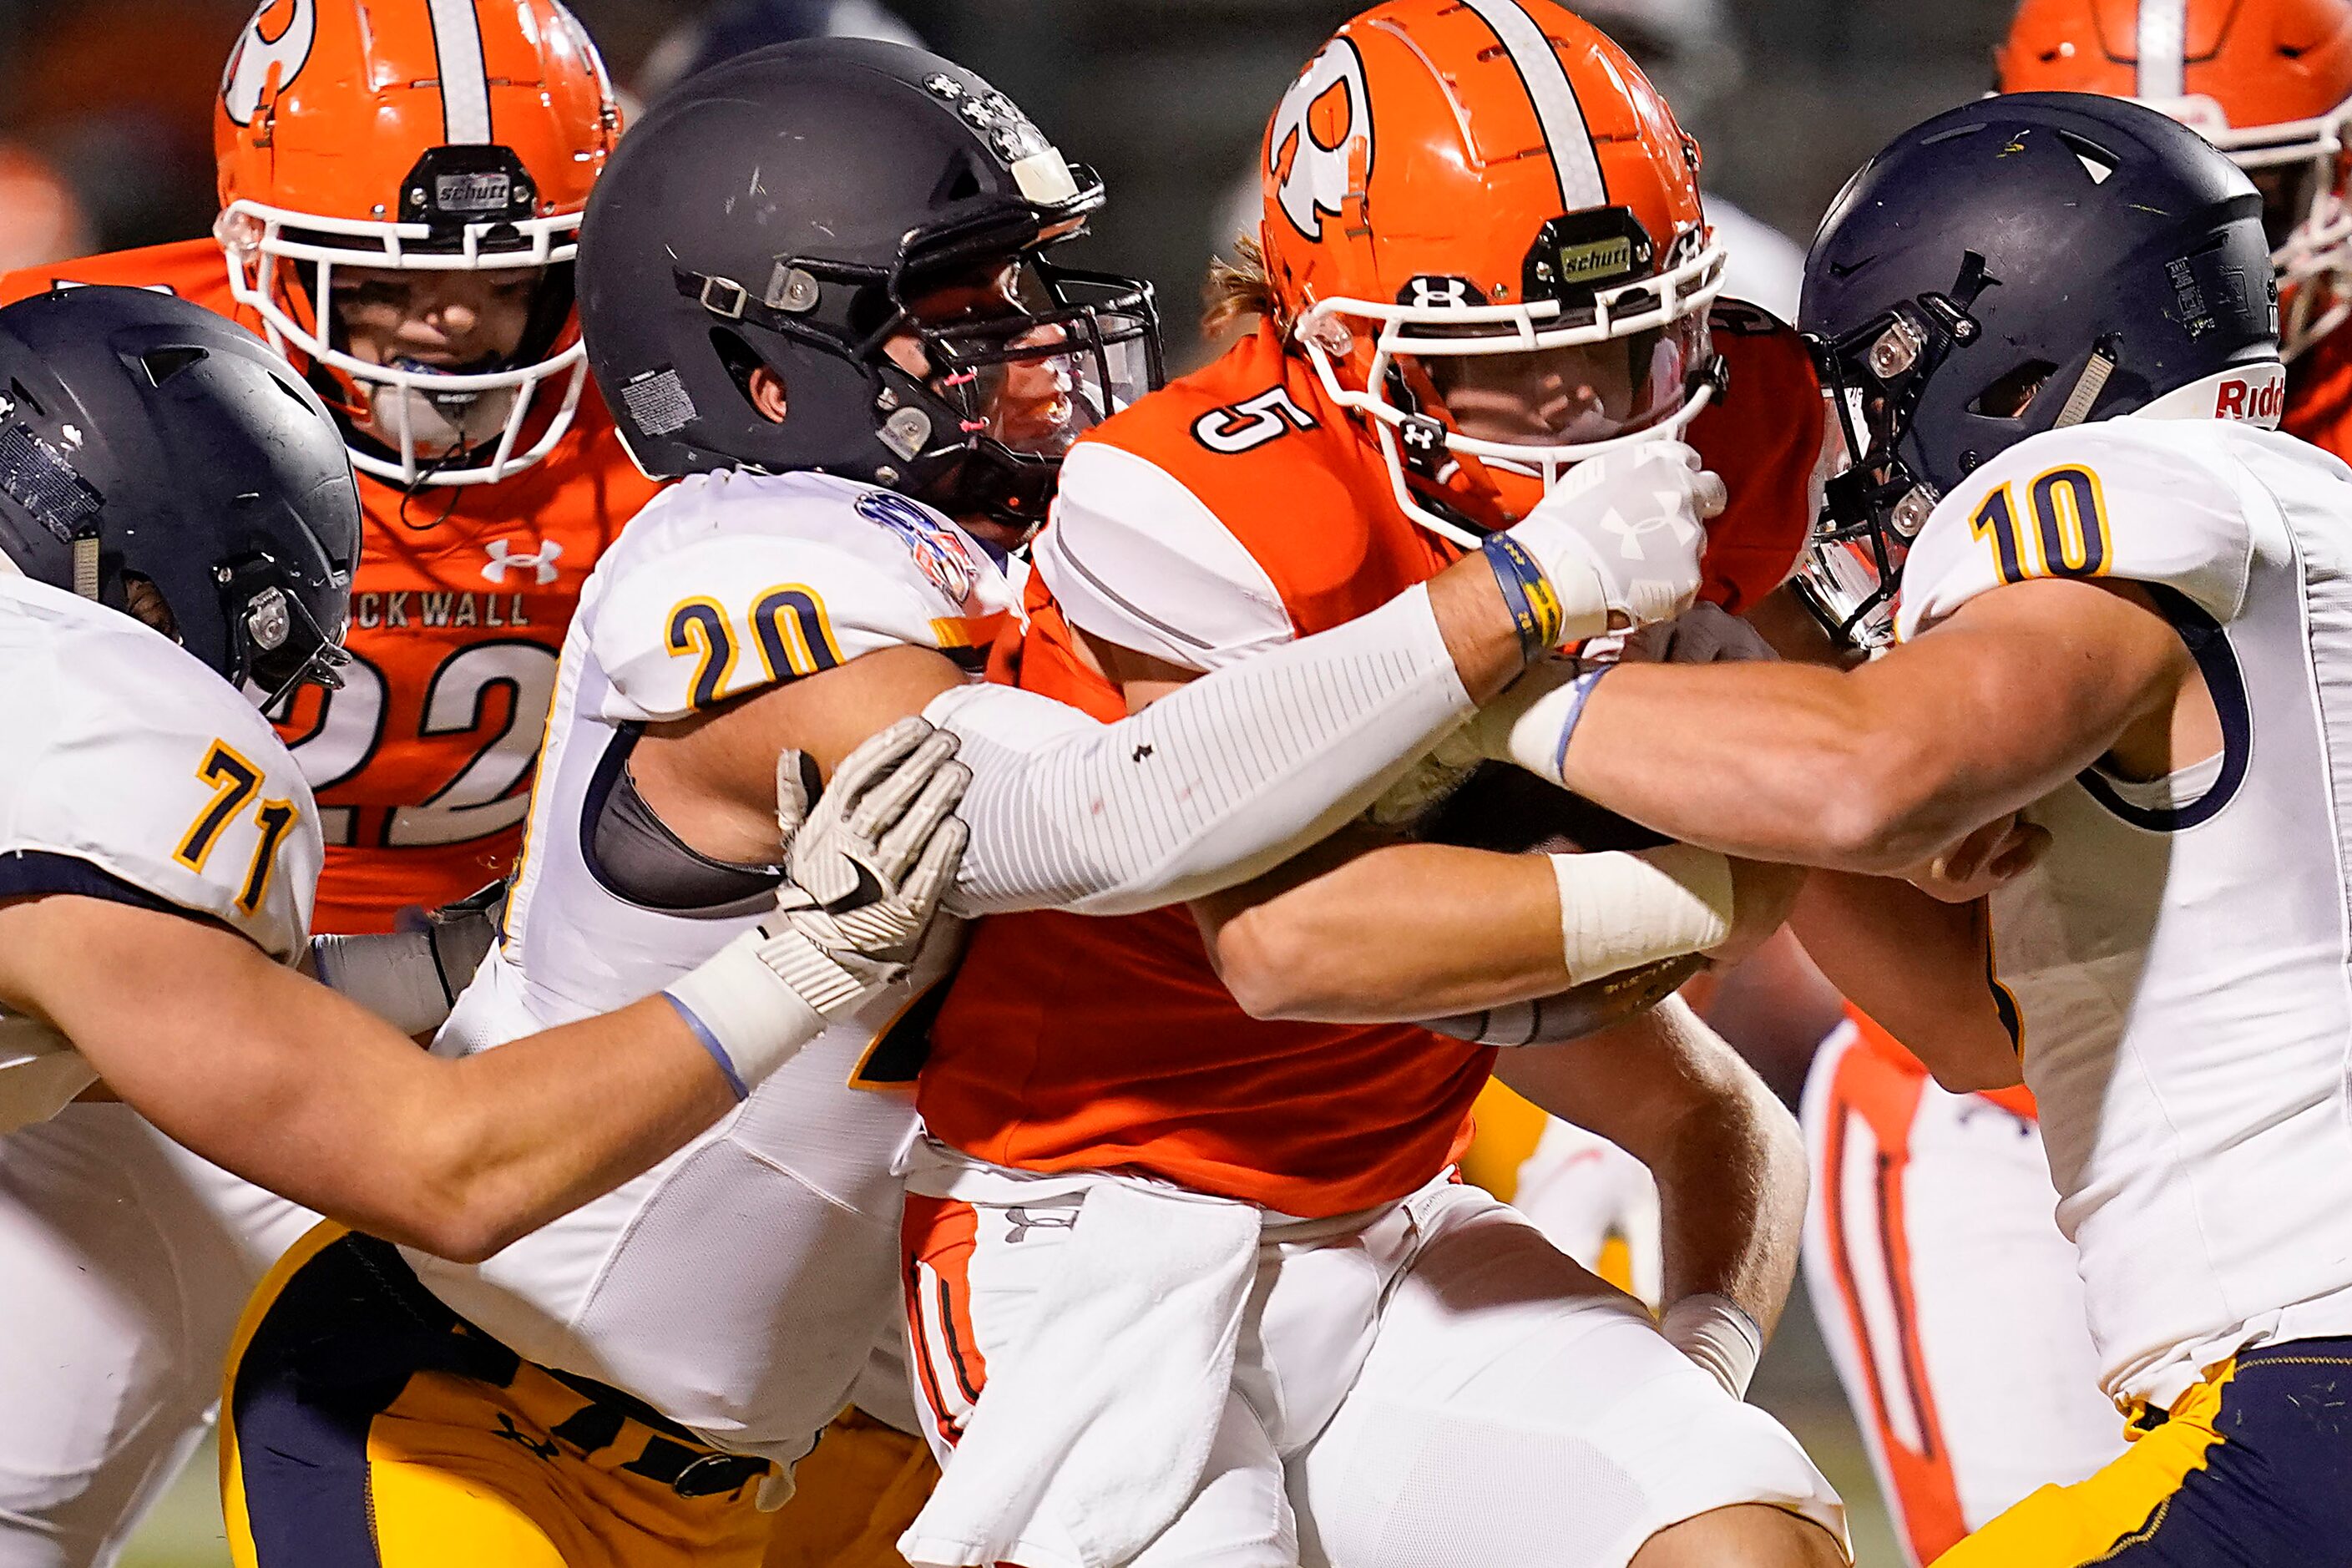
[
  {"x": 1667, "y": 517},
  {"x": 1437, "y": 293},
  {"x": 1142, "y": 752},
  {"x": 506, "y": 558},
  {"x": 513, "y": 1433},
  {"x": 1022, "y": 1222}
]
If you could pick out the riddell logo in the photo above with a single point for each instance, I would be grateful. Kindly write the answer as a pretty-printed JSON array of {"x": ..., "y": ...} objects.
[{"x": 2240, "y": 399}]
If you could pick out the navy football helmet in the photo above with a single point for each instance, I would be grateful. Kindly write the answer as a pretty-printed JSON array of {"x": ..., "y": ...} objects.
[
  {"x": 152, "y": 450},
  {"x": 791, "y": 210},
  {"x": 2019, "y": 264}
]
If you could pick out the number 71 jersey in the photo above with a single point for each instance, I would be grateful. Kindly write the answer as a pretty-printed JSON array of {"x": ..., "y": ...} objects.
[{"x": 130, "y": 772}]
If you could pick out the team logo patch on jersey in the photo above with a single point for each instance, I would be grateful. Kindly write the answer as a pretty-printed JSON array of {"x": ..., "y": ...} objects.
[
  {"x": 506, "y": 558},
  {"x": 1317, "y": 128},
  {"x": 278, "y": 37},
  {"x": 938, "y": 547}
]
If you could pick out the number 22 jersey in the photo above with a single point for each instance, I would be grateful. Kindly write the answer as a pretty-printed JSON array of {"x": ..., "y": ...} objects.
[{"x": 423, "y": 761}]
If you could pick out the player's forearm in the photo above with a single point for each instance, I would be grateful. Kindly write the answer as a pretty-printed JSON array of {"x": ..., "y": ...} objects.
[
  {"x": 506, "y": 1140},
  {"x": 1402, "y": 932},
  {"x": 1224, "y": 778},
  {"x": 1731, "y": 1190},
  {"x": 1917, "y": 966},
  {"x": 1775, "y": 761},
  {"x": 1728, "y": 1157}
]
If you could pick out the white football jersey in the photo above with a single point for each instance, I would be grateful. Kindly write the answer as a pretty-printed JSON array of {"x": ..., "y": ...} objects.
[
  {"x": 739, "y": 1285},
  {"x": 129, "y": 771},
  {"x": 2176, "y": 968}
]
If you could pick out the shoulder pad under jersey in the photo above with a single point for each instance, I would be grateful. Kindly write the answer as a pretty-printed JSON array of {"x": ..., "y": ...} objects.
[
  {"x": 1136, "y": 558},
  {"x": 2148, "y": 500},
  {"x": 729, "y": 582},
  {"x": 124, "y": 754}
]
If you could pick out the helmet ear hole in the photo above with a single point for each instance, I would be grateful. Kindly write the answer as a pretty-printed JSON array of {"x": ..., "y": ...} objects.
[
  {"x": 2011, "y": 393},
  {"x": 738, "y": 358}
]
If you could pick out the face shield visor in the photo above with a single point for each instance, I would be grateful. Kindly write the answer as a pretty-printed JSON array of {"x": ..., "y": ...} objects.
[
  {"x": 1602, "y": 349},
  {"x": 1034, "y": 381},
  {"x": 1030, "y": 361},
  {"x": 1579, "y": 394}
]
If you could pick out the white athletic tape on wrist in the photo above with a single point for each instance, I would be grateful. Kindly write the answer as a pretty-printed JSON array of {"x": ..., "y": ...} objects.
[
  {"x": 394, "y": 976},
  {"x": 1538, "y": 734},
  {"x": 758, "y": 1000},
  {"x": 1620, "y": 909},
  {"x": 1716, "y": 1332}
]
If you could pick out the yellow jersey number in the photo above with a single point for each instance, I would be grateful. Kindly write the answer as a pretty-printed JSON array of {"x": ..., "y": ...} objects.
[
  {"x": 2069, "y": 534},
  {"x": 235, "y": 782}
]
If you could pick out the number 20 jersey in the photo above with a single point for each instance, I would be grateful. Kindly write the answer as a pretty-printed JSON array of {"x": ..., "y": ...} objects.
[
  {"x": 423, "y": 761},
  {"x": 130, "y": 772},
  {"x": 738, "y": 1285},
  {"x": 2178, "y": 969}
]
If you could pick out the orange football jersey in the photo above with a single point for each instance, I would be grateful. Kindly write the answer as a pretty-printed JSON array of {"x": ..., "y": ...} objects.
[
  {"x": 1069, "y": 1042},
  {"x": 423, "y": 761}
]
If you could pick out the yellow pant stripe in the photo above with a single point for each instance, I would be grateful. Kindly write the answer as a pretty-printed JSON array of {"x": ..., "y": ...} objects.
[
  {"x": 232, "y": 1478},
  {"x": 2123, "y": 1504}
]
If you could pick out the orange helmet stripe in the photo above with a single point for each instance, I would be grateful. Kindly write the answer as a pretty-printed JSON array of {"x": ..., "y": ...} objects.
[
  {"x": 1561, "y": 118},
  {"x": 465, "y": 81},
  {"x": 2163, "y": 48}
]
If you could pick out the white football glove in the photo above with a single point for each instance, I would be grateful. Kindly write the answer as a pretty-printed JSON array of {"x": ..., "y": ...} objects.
[
  {"x": 1620, "y": 536},
  {"x": 864, "y": 872}
]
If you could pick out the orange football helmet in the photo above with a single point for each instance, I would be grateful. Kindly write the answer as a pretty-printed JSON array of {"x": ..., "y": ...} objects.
[
  {"x": 1482, "y": 225},
  {"x": 2267, "y": 82},
  {"x": 426, "y": 135}
]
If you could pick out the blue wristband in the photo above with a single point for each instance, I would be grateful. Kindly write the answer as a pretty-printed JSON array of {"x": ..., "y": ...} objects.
[
  {"x": 1577, "y": 690},
  {"x": 1527, "y": 593},
  {"x": 709, "y": 1042}
]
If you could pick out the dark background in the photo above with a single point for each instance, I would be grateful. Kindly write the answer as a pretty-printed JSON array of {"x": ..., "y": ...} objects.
[{"x": 1166, "y": 97}]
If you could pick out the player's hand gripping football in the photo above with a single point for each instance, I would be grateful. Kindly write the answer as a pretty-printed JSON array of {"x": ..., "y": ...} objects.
[
  {"x": 1618, "y": 539},
  {"x": 865, "y": 867}
]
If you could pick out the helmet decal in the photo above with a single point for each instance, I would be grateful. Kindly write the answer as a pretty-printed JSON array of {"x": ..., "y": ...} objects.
[
  {"x": 258, "y": 52},
  {"x": 1558, "y": 113},
  {"x": 1315, "y": 181}
]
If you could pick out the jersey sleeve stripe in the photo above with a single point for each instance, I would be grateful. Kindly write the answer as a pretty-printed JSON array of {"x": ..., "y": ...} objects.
[{"x": 27, "y": 873}]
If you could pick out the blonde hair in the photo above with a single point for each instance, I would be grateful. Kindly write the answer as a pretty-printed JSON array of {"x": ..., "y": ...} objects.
[{"x": 1238, "y": 291}]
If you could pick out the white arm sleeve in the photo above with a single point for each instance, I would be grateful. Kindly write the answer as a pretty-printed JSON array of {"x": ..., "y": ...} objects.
[{"x": 1220, "y": 780}]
